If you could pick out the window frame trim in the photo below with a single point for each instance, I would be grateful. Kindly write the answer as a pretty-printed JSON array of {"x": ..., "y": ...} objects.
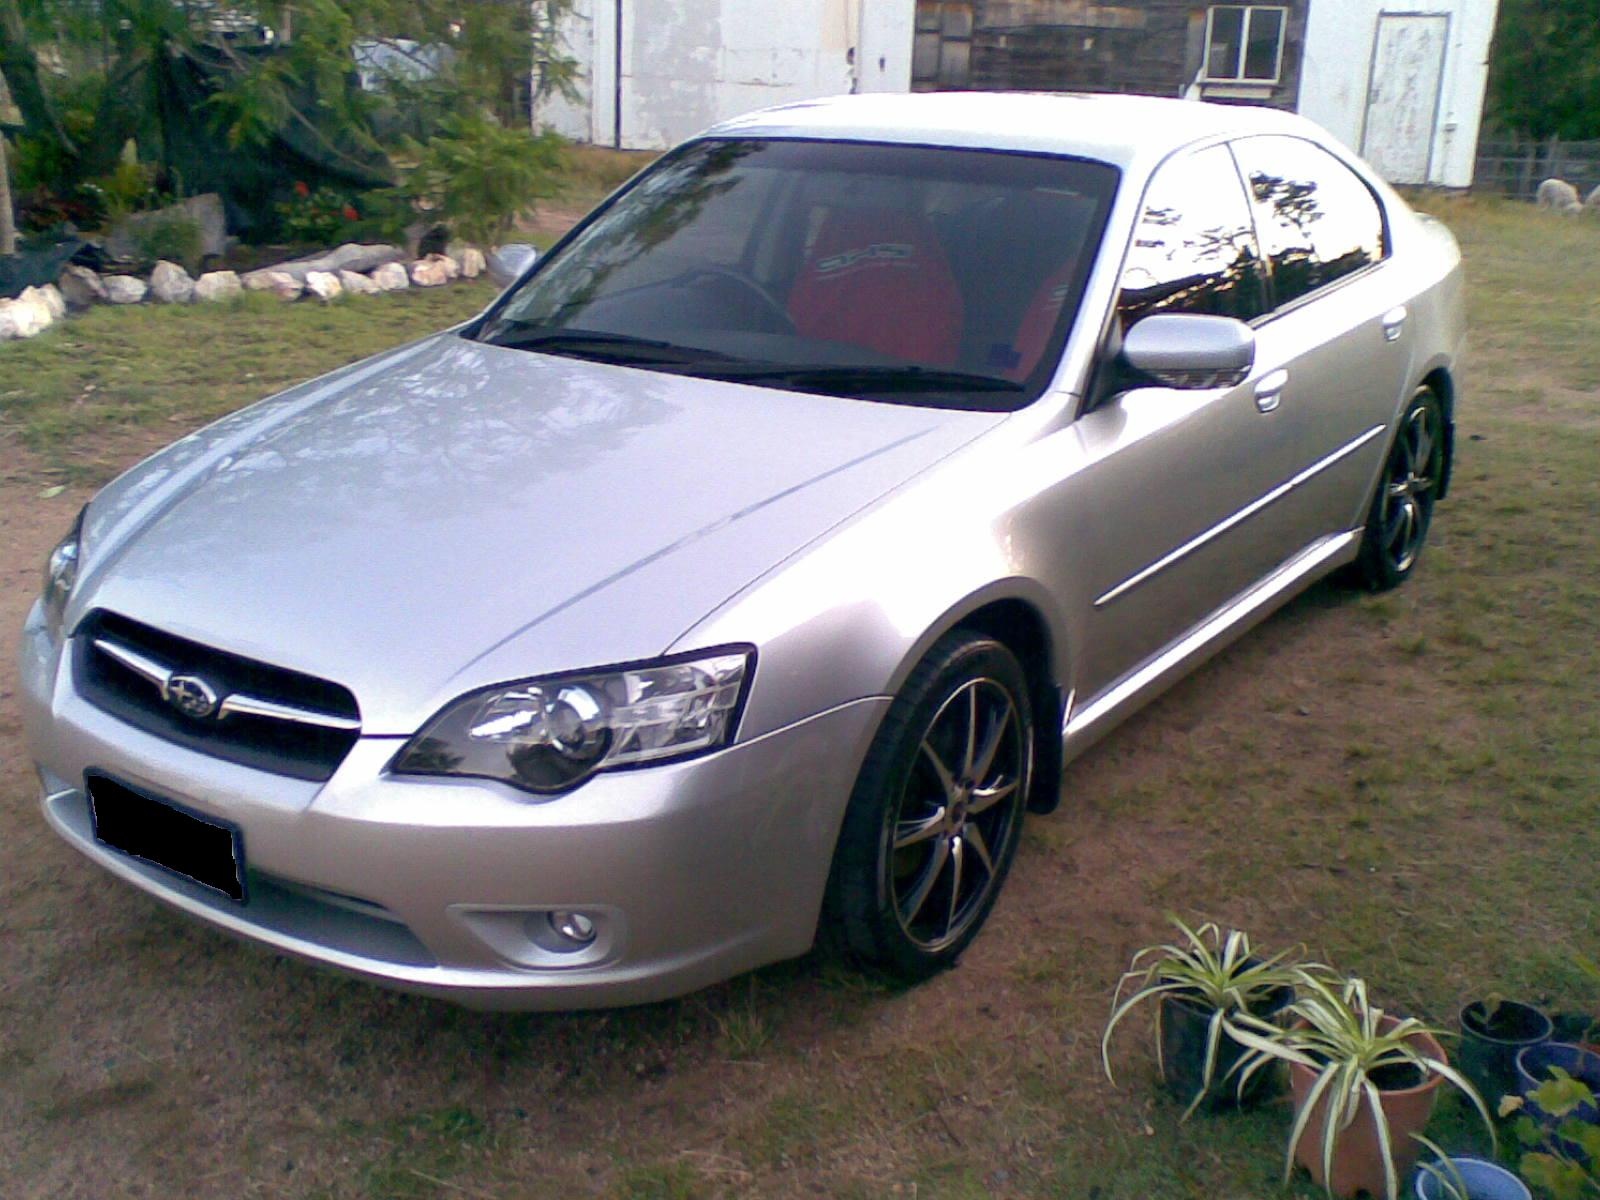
[{"x": 1248, "y": 11}]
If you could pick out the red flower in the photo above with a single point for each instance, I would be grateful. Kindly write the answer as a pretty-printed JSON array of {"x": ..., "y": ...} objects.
[
  {"x": 350, "y": 213},
  {"x": 300, "y": 189}
]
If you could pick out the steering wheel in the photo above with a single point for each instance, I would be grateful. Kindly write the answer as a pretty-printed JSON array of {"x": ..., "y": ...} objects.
[{"x": 781, "y": 321}]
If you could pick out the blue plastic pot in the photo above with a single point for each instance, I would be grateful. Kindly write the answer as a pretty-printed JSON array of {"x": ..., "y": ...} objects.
[
  {"x": 1533, "y": 1069},
  {"x": 1483, "y": 1180}
]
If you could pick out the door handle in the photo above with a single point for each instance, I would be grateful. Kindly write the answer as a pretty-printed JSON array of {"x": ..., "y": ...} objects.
[
  {"x": 1394, "y": 323},
  {"x": 1269, "y": 390}
]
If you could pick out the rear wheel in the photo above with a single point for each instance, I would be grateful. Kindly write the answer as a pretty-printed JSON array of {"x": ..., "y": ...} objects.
[
  {"x": 1402, "y": 510},
  {"x": 933, "y": 822}
]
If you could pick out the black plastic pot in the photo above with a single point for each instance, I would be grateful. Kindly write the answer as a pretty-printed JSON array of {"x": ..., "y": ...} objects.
[
  {"x": 1185, "y": 1026},
  {"x": 1489, "y": 1045}
]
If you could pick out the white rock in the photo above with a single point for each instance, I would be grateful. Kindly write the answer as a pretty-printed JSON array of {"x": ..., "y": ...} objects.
[
  {"x": 391, "y": 277},
  {"x": 54, "y": 301},
  {"x": 472, "y": 263},
  {"x": 1593, "y": 202},
  {"x": 356, "y": 284},
  {"x": 217, "y": 285},
  {"x": 279, "y": 283},
  {"x": 352, "y": 256},
  {"x": 324, "y": 285},
  {"x": 81, "y": 287},
  {"x": 171, "y": 284},
  {"x": 434, "y": 270},
  {"x": 125, "y": 289},
  {"x": 25, "y": 316}
]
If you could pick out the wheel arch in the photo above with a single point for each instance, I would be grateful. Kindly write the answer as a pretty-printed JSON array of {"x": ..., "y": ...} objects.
[
  {"x": 1018, "y": 621},
  {"x": 1442, "y": 383}
]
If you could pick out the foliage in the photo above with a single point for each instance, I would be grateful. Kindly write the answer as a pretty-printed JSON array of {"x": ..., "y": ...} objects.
[
  {"x": 1209, "y": 968},
  {"x": 130, "y": 188},
  {"x": 1544, "y": 70},
  {"x": 1563, "y": 1158},
  {"x": 174, "y": 236},
  {"x": 273, "y": 71},
  {"x": 323, "y": 216},
  {"x": 1337, "y": 1034},
  {"x": 480, "y": 176}
]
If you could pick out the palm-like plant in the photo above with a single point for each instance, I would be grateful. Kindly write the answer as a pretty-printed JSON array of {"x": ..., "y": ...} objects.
[
  {"x": 1210, "y": 969},
  {"x": 1337, "y": 1035}
]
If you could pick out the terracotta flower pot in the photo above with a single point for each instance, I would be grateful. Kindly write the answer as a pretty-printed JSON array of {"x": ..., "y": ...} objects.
[{"x": 1358, "y": 1154}]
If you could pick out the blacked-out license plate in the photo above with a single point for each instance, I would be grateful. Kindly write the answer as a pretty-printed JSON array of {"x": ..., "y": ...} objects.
[{"x": 160, "y": 832}]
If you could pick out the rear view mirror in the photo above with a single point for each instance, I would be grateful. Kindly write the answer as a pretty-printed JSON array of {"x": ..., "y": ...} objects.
[
  {"x": 1188, "y": 350},
  {"x": 508, "y": 262}
]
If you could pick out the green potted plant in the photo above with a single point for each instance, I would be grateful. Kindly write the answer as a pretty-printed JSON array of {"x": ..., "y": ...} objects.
[
  {"x": 1364, "y": 1083},
  {"x": 1562, "y": 1149},
  {"x": 1200, "y": 983}
]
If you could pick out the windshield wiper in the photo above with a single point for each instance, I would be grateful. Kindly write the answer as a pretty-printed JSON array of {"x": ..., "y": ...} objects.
[
  {"x": 870, "y": 379},
  {"x": 596, "y": 344}
]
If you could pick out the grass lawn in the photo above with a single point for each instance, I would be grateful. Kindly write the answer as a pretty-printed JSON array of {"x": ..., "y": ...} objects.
[{"x": 1407, "y": 784}]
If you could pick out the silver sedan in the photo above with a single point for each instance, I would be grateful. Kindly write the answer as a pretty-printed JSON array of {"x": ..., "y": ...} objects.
[{"x": 740, "y": 578}]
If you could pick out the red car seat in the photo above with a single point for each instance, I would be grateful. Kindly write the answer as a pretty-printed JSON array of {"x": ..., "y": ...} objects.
[
  {"x": 1039, "y": 321},
  {"x": 878, "y": 278}
]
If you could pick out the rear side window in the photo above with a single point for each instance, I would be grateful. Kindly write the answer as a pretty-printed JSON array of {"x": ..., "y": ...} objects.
[
  {"x": 1194, "y": 248},
  {"x": 1319, "y": 222}
]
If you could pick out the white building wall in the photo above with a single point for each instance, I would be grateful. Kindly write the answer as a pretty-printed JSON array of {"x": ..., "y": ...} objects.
[
  {"x": 1336, "y": 75},
  {"x": 687, "y": 64}
]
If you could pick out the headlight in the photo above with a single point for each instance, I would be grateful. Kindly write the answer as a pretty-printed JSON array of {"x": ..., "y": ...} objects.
[
  {"x": 60, "y": 574},
  {"x": 549, "y": 735}
]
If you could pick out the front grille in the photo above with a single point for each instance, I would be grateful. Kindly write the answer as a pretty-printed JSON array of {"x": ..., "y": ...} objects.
[{"x": 260, "y": 715}]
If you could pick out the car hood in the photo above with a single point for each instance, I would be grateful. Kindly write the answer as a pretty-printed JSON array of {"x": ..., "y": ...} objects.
[{"x": 453, "y": 514}]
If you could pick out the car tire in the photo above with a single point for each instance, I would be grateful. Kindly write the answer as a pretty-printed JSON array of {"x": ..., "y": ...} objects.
[
  {"x": 933, "y": 823},
  {"x": 1402, "y": 508}
]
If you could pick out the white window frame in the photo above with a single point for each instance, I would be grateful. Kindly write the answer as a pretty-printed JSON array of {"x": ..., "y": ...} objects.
[{"x": 1250, "y": 11}]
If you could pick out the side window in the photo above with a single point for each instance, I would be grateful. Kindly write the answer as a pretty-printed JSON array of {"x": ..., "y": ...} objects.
[
  {"x": 1194, "y": 248},
  {"x": 1319, "y": 222}
]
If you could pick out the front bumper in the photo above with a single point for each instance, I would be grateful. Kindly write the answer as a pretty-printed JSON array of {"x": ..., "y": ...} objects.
[{"x": 691, "y": 871}]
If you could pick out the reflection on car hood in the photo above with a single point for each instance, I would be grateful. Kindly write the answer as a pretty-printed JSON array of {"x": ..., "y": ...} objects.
[{"x": 454, "y": 514}]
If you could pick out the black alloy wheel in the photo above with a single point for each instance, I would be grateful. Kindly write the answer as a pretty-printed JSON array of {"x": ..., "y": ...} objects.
[{"x": 935, "y": 817}]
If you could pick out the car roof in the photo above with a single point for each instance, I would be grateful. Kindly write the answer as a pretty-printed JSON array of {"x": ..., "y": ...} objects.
[{"x": 1124, "y": 130}]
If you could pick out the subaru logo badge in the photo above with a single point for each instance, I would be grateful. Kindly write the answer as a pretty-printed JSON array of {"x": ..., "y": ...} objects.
[{"x": 192, "y": 696}]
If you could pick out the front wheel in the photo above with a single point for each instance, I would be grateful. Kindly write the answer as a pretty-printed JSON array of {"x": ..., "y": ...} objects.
[
  {"x": 1402, "y": 509},
  {"x": 934, "y": 820}
]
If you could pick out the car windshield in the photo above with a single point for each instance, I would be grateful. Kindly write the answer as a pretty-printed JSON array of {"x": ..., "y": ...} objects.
[{"x": 907, "y": 273}]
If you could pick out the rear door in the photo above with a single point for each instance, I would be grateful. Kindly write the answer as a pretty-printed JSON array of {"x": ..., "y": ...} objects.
[{"x": 1340, "y": 326}]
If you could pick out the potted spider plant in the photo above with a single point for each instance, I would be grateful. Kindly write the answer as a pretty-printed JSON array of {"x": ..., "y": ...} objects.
[
  {"x": 1364, "y": 1084},
  {"x": 1200, "y": 983}
]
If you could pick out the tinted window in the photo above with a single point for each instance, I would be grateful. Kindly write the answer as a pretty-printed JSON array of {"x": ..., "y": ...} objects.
[
  {"x": 838, "y": 266},
  {"x": 1194, "y": 249},
  {"x": 1318, "y": 221}
]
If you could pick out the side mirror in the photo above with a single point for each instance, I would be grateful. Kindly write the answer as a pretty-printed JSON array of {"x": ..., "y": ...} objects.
[
  {"x": 508, "y": 262},
  {"x": 1188, "y": 350}
]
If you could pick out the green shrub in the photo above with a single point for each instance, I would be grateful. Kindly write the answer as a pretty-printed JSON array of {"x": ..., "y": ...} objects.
[
  {"x": 172, "y": 236},
  {"x": 479, "y": 177}
]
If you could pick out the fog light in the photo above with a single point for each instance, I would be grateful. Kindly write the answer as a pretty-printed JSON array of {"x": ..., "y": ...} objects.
[{"x": 573, "y": 928}]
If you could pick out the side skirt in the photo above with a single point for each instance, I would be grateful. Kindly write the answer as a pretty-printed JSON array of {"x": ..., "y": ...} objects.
[{"x": 1084, "y": 725}]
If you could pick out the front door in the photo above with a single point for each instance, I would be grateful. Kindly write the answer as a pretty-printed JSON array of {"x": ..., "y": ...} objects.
[
  {"x": 1166, "y": 522},
  {"x": 1403, "y": 95}
]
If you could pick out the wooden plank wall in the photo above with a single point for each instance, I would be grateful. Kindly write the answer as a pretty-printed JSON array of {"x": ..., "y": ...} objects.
[{"x": 1151, "y": 47}]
